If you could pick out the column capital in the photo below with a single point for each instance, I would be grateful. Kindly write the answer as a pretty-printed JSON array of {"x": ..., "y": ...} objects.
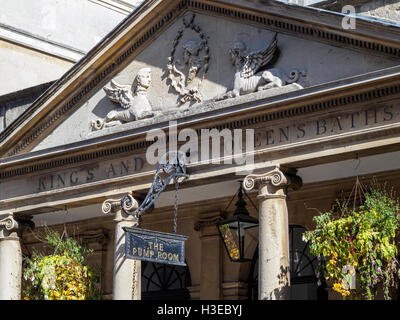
[
  {"x": 271, "y": 183},
  {"x": 115, "y": 206},
  {"x": 10, "y": 226}
]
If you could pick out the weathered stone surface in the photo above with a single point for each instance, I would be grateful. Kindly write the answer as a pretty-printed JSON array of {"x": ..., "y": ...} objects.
[
  {"x": 381, "y": 9},
  {"x": 127, "y": 272},
  {"x": 14, "y": 104},
  {"x": 10, "y": 259},
  {"x": 386, "y": 9},
  {"x": 316, "y": 60},
  {"x": 274, "y": 274}
]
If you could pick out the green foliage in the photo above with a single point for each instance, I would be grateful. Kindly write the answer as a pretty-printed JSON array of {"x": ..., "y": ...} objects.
[
  {"x": 363, "y": 238},
  {"x": 62, "y": 275},
  {"x": 68, "y": 246}
]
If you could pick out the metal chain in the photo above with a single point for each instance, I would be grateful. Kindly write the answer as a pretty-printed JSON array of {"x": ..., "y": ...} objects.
[
  {"x": 135, "y": 275},
  {"x": 134, "y": 280},
  {"x": 176, "y": 205}
]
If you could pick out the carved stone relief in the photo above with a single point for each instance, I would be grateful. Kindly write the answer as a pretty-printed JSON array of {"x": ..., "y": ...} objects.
[
  {"x": 131, "y": 98},
  {"x": 187, "y": 68},
  {"x": 252, "y": 70},
  {"x": 196, "y": 57}
]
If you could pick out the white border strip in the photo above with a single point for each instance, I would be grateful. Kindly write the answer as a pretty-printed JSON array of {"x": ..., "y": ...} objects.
[
  {"x": 118, "y": 5},
  {"x": 37, "y": 43}
]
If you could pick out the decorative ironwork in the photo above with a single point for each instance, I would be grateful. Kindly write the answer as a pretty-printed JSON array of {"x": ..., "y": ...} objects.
[
  {"x": 172, "y": 166},
  {"x": 302, "y": 264},
  {"x": 150, "y": 245},
  {"x": 165, "y": 282}
]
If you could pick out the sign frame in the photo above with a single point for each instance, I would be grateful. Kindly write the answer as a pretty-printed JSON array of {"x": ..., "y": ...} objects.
[{"x": 171, "y": 243}]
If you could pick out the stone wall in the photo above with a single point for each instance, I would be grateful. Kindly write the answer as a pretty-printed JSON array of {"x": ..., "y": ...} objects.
[
  {"x": 383, "y": 9},
  {"x": 40, "y": 40},
  {"x": 14, "y": 104},
  {"x": 386, "y": 9}
]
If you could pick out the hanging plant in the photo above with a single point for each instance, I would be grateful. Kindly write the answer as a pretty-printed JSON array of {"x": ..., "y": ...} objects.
[
  {"x": 62, "y": 275},
  {"x": 358, "y": 250}
]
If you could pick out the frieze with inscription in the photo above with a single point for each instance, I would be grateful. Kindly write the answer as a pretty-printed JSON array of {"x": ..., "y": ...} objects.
[
  {"x": 69, "y": 178},
  {"x": 326, "y": 126},
  {"x": 277, "y": 134}
]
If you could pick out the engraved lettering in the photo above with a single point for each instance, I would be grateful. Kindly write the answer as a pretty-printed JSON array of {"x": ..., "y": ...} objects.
[
  {"x": 352, "y": 117},
  {"x": 302, "y": 131},
  {"x": 138, "y": 164},
  {"x": 42, "y": 185},
  {"x": 111, "y": 170},
  {"x": 73, "y": 179},
  {"x": 60, "y": 180},
  {"x": 387, "y": 113},
  {"x": 269, "y": 137},
  {"x": 285, "y": 134},
  {"x": 320, "y": 126},
  {"x": 257, "y": 140},
  {"x": 124, "y": 166},
  {"x": 336, "y": 123},
  {"x": 90, "y": 175}
]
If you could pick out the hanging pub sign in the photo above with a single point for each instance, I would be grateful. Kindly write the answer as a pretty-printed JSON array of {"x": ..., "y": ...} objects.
[
  {"x": 151, "y": 245},
  {"x": 160, "y": 247}
]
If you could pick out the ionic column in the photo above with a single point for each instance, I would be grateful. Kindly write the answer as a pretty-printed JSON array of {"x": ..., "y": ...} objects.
[
  {"x": 127, "y": 272},
  {"x": 273, "y": 263},
  {"x": 10, "y": 258}
]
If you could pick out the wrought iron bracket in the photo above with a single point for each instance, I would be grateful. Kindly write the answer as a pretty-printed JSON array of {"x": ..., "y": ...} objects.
[{"x": 172, "y": 166}]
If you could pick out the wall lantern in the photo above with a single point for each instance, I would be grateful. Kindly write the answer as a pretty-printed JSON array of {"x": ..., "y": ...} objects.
[{"x": 233, "y": 229}]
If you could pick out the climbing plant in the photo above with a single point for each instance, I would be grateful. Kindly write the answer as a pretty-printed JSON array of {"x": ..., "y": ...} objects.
[
  {"x": 357, "y": 245},
  {"x": 62, "y": 275}
]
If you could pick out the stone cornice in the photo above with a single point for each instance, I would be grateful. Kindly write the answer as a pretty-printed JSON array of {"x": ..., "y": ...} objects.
[
  {"x": 232, "y": 114},
  {"x": 133, "y": 34},
  {"x": 39, "y": 43}
]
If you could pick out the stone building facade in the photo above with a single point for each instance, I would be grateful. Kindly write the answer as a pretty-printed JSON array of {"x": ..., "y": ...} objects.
[
  {"x": 41, "y": 40},
  {"x": 319, "y": 103},
  {"x": 380, "y": 9}
]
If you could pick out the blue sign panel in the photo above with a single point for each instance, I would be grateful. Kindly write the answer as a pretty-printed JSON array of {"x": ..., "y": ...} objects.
[{"x": 148, "y": 245}]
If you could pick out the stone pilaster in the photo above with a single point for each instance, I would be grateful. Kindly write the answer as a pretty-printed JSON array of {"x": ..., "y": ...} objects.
[
  {"x": 10, "y": 257},
  {"x": 127, "y": 272},
  {"x": 273, "y": 273},
  {"x": 210, "y": 279}
]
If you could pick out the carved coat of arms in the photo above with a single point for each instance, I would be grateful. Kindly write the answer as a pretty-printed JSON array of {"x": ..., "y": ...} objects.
[{"x": 196, "y": 57}]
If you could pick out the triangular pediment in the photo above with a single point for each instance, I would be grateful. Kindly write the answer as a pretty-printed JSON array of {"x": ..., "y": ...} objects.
[{"x": 313, "y": 50}]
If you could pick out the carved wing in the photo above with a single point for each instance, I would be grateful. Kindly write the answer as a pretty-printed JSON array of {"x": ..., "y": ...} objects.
[
  {"x": 120, "y": 94},
  {"x": 256, "y": 60}
]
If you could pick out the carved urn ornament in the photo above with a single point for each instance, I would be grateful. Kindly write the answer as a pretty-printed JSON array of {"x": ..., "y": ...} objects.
[
  {"x": 131, "y": 98},
  {"x": 252, "y": 70},
  {"x": 196, "y": 56}
]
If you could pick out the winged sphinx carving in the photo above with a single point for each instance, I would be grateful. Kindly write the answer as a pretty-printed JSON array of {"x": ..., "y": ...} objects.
[
  {"x": 131, "y": 98},
  {"x": 252, "y": 73}
]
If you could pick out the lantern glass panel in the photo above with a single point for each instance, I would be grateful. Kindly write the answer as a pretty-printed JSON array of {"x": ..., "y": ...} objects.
[{"x": 231, "y": 240}]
